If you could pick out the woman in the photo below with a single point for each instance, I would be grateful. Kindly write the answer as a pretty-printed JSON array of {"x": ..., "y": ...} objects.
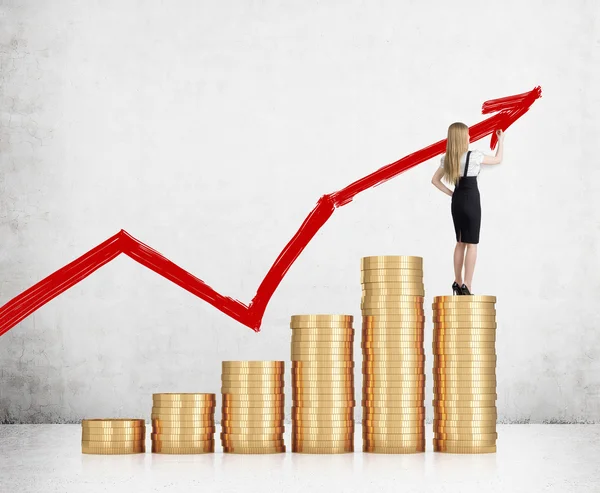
[{"x": 460, "y": 167}]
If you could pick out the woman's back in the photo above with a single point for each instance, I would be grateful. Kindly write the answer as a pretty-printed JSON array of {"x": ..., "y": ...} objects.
[{"x": 475, "y": 160}]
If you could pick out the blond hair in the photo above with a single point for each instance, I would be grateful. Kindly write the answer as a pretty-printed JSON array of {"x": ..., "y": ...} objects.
[{"x": 456, "y": 146}]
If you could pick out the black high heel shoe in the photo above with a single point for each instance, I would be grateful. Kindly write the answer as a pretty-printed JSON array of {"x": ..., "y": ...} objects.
[
  {"x": 456, "y": 290},
  {"x": 465, "y": 290}
]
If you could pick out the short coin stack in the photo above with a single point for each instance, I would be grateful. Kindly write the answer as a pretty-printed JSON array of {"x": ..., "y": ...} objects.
[
  {"x": 464, "y": 338},
  {"x": 113, "y": 436},
  {"x": 393, "y": 354},
  {"x": 253, "y": 407},
  {"x": 183, "y": 423},
  {"x": 322, "y": 384}
]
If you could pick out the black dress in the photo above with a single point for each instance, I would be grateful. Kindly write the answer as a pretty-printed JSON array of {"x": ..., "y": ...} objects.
[{"x": 466, "y": 208}]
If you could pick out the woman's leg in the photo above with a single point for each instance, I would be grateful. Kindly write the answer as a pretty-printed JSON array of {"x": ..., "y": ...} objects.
[
  {"x": 459, "y": 259},
  {"x": 470, "y": 259}
]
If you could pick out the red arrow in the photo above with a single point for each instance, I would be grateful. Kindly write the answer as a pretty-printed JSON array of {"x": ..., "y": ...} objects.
[{"x": 509, "y": 109}]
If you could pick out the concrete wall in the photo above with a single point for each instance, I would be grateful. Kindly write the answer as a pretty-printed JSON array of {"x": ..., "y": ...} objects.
[{"x": 208, "y": 130}]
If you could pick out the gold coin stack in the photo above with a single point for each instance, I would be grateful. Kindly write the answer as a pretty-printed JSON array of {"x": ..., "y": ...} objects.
[
  {"x": 253, "y": 407},
  {"x": 322, "y": 384},
  {"x": 464, "y": 370},
  {"x": 183, "y": 423},
  {"x": 113, "y": 436},
  {"x": 393, "y": 355}
]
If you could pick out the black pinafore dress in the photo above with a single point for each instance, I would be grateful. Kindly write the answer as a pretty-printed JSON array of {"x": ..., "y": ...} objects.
[{"x": 466, "y": 208}]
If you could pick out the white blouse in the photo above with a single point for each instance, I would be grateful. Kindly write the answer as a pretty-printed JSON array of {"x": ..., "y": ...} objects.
[{"x": 475, "y": 161}]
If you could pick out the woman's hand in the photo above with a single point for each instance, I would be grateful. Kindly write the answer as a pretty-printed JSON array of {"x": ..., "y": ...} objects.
[{"x": 500, "y": 134}]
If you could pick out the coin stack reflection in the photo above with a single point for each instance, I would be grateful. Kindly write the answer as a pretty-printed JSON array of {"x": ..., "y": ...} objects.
[
  {"x": 253, "y": 407},
  {"x": 113, "y": 436},
  {"x": 322, "y": 384},
  {"x": 393, "y": 354},
  {"x": 183, "y": 423},
  {"x": 464, "y": 338}
]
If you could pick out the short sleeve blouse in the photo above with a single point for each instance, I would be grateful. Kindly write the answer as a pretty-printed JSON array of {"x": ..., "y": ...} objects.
[{"x": 475, "y": 161}]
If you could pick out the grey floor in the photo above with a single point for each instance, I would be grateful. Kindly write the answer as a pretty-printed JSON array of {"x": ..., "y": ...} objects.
[{"x": 530, "y": 458}]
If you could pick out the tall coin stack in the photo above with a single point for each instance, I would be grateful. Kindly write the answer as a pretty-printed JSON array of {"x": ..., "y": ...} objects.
[
  {"x": 464, "y": 339},
  {"x": 393, "y": 354},
  {"x": 253, "y": 407},
  {"x": 113, "y": 436},
  {"x": 183, "y": 423},
  {"x": 322, "y": 384}
]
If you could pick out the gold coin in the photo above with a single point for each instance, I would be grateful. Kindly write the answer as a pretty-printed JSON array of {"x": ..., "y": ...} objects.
[
  {"x": 112, "y": 423},
  {"x": 373, "y": 368},
  {"x": 480, "y": 430},
  {"x": 467, "y": 299},
  {"x": 302, "y": 435},
  {"x": 321, "y": 344},
  {"x": 409, "y": 416},
  {"x": 139, "y": 434},
  {"x": 393, "y": 411},
  {"x": 252, "y": 423},
  {"x": 322, "y": 380},
  {"x": 252, "y": 391},
  {"x": 445, "y": 325},
  {"x": 462, "y": 314},
  {"x": 184, "y": 397},
  {"x": 332, "y": 406},
  {"x": 450, "y": 449},
  {"x": 321, "y": 318},
  {"x": 396, "y": 275},
  {"x": 181, "y": 450},
  {"x": 307, "y": 449},
  {"x": 322, "y": 358},
  {"x": 393, "y": 385},
  {"x": 249, "y": 437},
  {"x": 392, "y": 302},
  {"x": 324, "y": 387},
  {"x": 322, "y": 328},
  {"x": 332, "y": 401},
  {"x": 463, "y": 345},
  {"x": 251, "y": 375},
  {"x": 313, "y": 366},
  {"x": 482, "y": 308},
  {"x": 182, "y": 411},
  {"x": 312, "y": 426},
  {"x": 268, "y": 408},
  {"x": 183, "y": 405},
  {"x": 394, "y": 361},
  {"x": 248, "y": 378},
  {"x": 181, "y": 430},
  {"x": 254, "y": 430},
  {"x": 371, "y": 293},
  {"x": 387, "y": 259},
  {"x": 182, "y": 441},
  {"x": 465, "y": 372},
  {"x": 418, "y": 441},
  {"x": 465, "y": 357},
  {"x": 407, "y": 340},
  {"x": 417, "y": 422},
  {"x": 116, "y": 433},
  {"x": 252, "y": 411},
  {"x": 441, "y": 405},
  {"x": 410, "y": 311},
  {"x": 390, "y": 349},
  {"x": 444, "y": 366},
  {"x": 465, "y": 443},
  {"x": 450, "y": 399},
  {"x": 326, "y": 350},
  {"x": 324, "y": 442},
  {"x": 321, "y": 340},
  {"x": 184, "y": 421},
  {"x": 323, "y": 414},
  {"x": 463, "y": 317},
  {"x": 443, "y": 340},
  {"x": 274, "y": 397},
  {"x": 116, "y": 450},
  {"x": 390, "y": 429},
  {"x": 402, "y": 346},
  {"x": 473, "y": 391},
  {"x": 410, "y": 334},
  {"x": 254, "y": 450},
  {"x": 252, "y": 443},
  {"x": 114, "y": 443},
  {"x": 252, "y": 364},
  {"x": 377, "y": 449}
]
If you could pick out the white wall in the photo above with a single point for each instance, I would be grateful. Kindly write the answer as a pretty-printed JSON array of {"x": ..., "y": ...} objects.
[{"x": 208, "y": 130}]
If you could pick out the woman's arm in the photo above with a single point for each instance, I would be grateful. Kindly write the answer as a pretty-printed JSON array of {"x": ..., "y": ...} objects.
[
  {"x": 437, "y": 182},
  {"x": 497, "y": 159}
]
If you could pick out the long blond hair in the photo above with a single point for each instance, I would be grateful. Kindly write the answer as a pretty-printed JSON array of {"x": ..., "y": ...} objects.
[{"x": 456, "y": 146}]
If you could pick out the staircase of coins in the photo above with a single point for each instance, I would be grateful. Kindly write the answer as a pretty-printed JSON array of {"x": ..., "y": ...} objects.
[{"x": 322, "y": 377}]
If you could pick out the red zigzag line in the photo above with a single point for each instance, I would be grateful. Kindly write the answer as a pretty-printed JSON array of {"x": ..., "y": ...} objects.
[{"x": 510, "y": 109}]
